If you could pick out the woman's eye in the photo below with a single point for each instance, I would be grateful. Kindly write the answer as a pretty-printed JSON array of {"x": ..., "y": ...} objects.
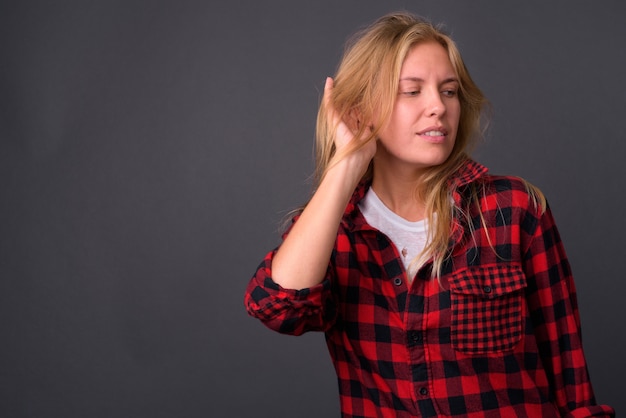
[
  {"x": 449, "y": 93},
  {"x": 412, "y": 93}
]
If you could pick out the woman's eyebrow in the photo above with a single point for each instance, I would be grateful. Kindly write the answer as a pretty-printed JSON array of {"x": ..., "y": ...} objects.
[
  {"x": 420, "y": 80},
  {"x": 411, "y": 79}
]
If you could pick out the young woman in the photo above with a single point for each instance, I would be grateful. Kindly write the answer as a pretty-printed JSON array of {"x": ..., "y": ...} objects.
[{"x": 442, "y": 290}]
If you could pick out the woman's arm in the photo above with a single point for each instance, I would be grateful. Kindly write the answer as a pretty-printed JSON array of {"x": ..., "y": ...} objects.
[
  {"x": 554, "y": 312},
  {"x": 302, "y": 259}
]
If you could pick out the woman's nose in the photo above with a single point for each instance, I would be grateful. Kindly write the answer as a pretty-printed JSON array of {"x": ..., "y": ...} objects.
[{"x": 434, "y": 103}]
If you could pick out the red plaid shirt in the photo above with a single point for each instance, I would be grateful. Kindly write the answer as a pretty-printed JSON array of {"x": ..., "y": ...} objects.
[{"x": 499, "y": 337}]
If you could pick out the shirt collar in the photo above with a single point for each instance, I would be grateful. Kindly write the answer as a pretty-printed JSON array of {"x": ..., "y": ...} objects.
[{"x": 469, "y": 172}]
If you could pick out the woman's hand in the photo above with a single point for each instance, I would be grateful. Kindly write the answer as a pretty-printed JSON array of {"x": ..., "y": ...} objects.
[{"x": 346, "y": 130}]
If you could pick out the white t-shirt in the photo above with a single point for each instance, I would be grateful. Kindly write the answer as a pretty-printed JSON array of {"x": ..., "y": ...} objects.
[{"x": 408, "y": 237}]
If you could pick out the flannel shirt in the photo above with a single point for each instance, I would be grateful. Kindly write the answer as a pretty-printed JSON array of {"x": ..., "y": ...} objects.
[{"x": 497, "y": 336}]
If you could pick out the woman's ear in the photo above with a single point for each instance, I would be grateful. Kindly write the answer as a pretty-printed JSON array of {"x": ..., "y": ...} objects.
[{"x": 353, "y": 119}]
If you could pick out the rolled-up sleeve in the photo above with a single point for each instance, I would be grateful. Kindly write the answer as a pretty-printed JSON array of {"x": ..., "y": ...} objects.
[{"x": 289, "y": 311}]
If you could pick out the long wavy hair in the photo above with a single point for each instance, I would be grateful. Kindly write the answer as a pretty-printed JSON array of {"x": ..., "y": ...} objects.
[{"x": 366, "y": 84}]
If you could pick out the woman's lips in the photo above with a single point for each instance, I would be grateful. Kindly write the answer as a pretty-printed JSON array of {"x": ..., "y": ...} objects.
[{"x": 433, "y": 135}]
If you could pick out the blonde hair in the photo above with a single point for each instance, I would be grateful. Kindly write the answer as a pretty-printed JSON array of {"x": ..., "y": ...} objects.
[{"x": 366, "y": 84}]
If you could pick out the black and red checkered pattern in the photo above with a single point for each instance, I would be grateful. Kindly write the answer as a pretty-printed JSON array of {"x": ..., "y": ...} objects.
[{"x": 497, "y": 336}]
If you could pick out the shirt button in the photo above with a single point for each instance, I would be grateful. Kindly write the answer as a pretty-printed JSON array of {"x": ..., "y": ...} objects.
[
  {"x": 416, "y": 336},
  {"x": 487, "y": 289},
  {"x": 397, "y": 281},
  {"x": 423, "y": 391}
]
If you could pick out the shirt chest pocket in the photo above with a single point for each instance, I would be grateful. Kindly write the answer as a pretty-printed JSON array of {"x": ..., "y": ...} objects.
[{"x": 487, "y": 306}]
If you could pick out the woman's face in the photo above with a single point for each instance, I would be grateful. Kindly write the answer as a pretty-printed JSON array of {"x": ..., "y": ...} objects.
[{"x": 423, "y": 125}]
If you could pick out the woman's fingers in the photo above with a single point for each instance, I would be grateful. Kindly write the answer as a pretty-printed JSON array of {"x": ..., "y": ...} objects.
[
  {"x": 343, "y": 134},
  {"x": 330, "y": 109}
]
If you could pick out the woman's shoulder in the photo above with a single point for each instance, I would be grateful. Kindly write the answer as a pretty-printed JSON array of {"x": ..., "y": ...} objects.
[
  {"x": 512, "y": 191},
  {"x": 504, "y": 183}
]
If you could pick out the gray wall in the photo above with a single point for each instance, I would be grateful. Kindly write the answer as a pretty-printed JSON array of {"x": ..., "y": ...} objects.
[{"x": 149, "y": 150}]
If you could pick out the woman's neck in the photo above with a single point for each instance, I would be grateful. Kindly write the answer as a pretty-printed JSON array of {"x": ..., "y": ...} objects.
[{"x": 400, "y": 194}]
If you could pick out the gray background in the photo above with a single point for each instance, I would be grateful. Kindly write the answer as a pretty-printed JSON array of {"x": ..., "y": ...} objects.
[{"x": 150, "y": 149}]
